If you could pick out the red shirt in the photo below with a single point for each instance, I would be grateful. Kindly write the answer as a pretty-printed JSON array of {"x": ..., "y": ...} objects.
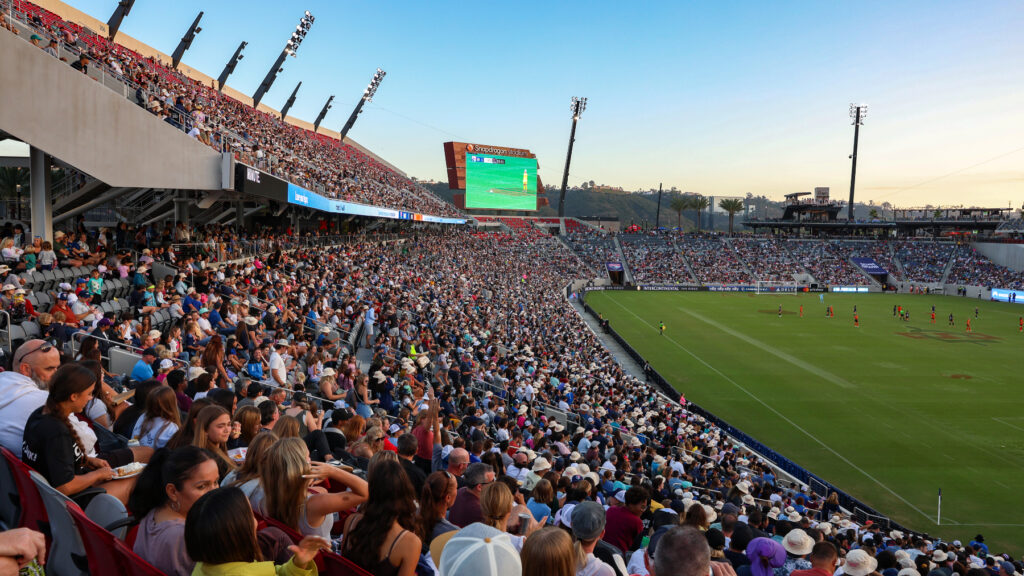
[
  {"x": 811, "y": 572},
  {"x": 424, "y": 442},
  {"x": 622, "y": 528}
]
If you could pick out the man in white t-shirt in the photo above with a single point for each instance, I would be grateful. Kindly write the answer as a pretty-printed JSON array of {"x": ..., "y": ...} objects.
[
  {"x": 368, "y": 321},
  {"x": 278, "y": 368}
]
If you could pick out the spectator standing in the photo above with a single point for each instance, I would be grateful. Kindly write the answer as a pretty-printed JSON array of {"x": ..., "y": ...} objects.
[{"x": 623, "y": 524}]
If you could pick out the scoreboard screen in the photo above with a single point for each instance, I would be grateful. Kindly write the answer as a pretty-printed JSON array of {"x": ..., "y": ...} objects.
[{"x": 501, "y": 182}]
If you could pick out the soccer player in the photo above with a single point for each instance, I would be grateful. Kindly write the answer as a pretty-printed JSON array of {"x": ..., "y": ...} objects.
[
  {"x": 975, "y": 312},
  {"x": 951, "y": 319},
  {"x": 525, "y": 179},
  {"x": 933, "y": 315},
  {"x": 831, "y": 312},
  {"x": 893, "y": 310},
  {"x": 855, "y": 309},
  {"x": 821, "y": 298},
  {"x": 856, "y": 320},
  {"x": 661, "y": 328},
  {"x": 968, "y": 324},
  {"x": 780, "y": 310},
  {"x": 933, "y": 308},
  {"x": 801, "y": 310},
  {"x": 1020, "y": 321}
]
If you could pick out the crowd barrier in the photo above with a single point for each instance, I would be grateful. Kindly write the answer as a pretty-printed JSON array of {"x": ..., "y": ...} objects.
[{"x": 792, "y": 468}]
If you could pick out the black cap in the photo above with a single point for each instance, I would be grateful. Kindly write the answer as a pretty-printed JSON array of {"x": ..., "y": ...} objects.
[{"x": 149, "y": 352}]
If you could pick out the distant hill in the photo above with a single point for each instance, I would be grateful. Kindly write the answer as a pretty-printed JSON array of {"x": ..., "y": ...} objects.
[{"x": 630, "y": 208}]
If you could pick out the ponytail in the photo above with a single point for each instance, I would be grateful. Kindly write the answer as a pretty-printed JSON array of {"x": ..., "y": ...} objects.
[{"x": 67, "y": 380}]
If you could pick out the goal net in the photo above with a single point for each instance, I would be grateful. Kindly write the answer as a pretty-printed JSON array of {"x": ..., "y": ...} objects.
[{"x": 775, "y": 287}]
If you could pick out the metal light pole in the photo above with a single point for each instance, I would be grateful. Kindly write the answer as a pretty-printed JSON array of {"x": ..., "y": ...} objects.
[
  {"x": 577, "y": 107},
  {"x": 291, "y": 100},
  {"x": 378, "y": 77},
  {"x": 657, "y": 216},
  {"x": 323, "y": 113},
  {"x": 122, "y": 10},
  {"x": 186, "y": 41},
  {"x": 858, "y": 112},
  {"x": 230, "y": 66},
  {"x": 289, "y": 50}
]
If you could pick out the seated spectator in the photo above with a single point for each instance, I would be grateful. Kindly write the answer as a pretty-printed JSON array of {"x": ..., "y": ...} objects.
[
  {"x": 160, "y": 421},
  {"x": 549, "y": 551},
  {"x": 479, "y": 550},
  {"x": 220, "y": 536},
  {"x": 286, "y": 478},
  {"x": 247, "y": 476},
  {"x": 53, "y": 447},
  {"x": 211, "y": 431},
  {"x": 24, "y": 388},
  {"x": 163, "y": 496},
  {"x": 382, "y": 538},
  {"x": 143, "y": 369},
  {"x": 466, "y": 509}
]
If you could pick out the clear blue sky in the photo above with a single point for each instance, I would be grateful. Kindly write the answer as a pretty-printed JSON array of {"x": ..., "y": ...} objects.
[{"x": 719, "y": 98}]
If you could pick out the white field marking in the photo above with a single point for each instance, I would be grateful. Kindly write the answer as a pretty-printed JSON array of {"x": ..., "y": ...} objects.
[
  {"x": 823, "y": 374},
  {"x": 783, "y": 417},
  {"x": 1001, "y": 421},
  {"x": 1001, "y": 484}
]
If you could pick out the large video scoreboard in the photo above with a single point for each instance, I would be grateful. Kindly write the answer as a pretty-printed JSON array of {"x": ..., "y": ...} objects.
[{"x": 493, "y": 177}]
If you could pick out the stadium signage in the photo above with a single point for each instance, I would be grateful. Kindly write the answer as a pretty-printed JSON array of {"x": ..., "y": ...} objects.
[
  {"x": 849, "y": 288},
  {"x": 868, "y": 265},
  {"x": 249, "y": 180},
  {"x": 497, "y": 150},
  {"x": 1004, "y": 295},
  {"x": 732, "y": 288},
  {"x": 614, "y": 266},
  {"x": 302, "y": 197},
  {"x": 661, "y": 288}
]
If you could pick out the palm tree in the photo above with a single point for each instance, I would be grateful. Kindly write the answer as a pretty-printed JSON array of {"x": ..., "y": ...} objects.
[
  {"x": 679, "y": 204},
  {"x": 10, "y": 180},
  {"x": 699, "y": 203},
  {"x": 732, "y": 206},
  {"x": 873, "y": 214}
]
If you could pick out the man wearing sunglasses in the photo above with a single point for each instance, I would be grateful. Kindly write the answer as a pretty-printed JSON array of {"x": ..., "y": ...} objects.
[{"x": 25, "y": 388}]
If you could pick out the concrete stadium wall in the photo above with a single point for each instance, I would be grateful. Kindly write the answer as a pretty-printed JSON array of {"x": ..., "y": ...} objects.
[
  {"x": 1009, "y": 255},
  {"x": 49, "y": 105}
]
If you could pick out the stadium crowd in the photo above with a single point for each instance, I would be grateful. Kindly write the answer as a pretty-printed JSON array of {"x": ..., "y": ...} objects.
[
  {"x": 594, "y": 249},
  {"x": 263, "y": 140},
  {"x": 712, "y": 260},
  {"x": 971, "y": 268},
  {"x": 826, "y": 263},
  {"x": 924, "y": 261},
  {"x": 767, "y": 259},
  {"x": 489, "y": 423},
  {"x": 655, "y": 259}
]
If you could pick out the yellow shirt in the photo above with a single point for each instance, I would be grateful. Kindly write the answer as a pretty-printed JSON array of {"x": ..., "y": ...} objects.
[{"x": 253, "y": 569}]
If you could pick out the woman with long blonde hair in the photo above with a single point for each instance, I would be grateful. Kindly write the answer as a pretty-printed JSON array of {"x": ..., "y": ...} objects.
[{"x": 286, "y": 477}]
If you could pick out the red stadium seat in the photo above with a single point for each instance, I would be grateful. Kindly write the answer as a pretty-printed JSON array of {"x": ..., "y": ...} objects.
[
  {"x": 33, "y": 510},
  {"x": 107, "y": 554}
]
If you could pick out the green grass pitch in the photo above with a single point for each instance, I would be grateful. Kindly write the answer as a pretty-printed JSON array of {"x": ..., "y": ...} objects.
[{"x": 889, "y": 412}]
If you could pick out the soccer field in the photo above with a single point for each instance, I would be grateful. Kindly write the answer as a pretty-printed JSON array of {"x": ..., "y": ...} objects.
[{"x": 890, "y": 412}]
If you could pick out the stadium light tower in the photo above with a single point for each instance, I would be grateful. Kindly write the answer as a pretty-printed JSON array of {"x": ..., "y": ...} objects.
[
  {"x": 289, "y": 50},
  {"x": 577, "y": 107},
  {"x": 858, "y": 112},
  {"x": 323, "y": 113},
  {"x": 378, "y": 77},
  {"x": 186, "y": 41},
  {"x": 230, "y": 66},
  {"x": 122, "y": 10},
  {"x": 291, "y": 100}
]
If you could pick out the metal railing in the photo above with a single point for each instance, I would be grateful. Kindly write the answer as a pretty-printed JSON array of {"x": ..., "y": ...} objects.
[{"x": 78, "y": 337}]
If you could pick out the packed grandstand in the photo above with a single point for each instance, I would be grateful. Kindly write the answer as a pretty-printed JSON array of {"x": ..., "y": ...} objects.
[{"x": 370, "y": 399}]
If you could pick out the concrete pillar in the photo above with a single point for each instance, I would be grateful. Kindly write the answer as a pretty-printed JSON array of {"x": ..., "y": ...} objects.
[
  {"x": 181, "y": 211},
  {"x": 42, "y": 208}
]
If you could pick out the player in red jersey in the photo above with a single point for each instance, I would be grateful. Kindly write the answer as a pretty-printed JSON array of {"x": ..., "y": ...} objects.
[{"x": 856, "y": 320}]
